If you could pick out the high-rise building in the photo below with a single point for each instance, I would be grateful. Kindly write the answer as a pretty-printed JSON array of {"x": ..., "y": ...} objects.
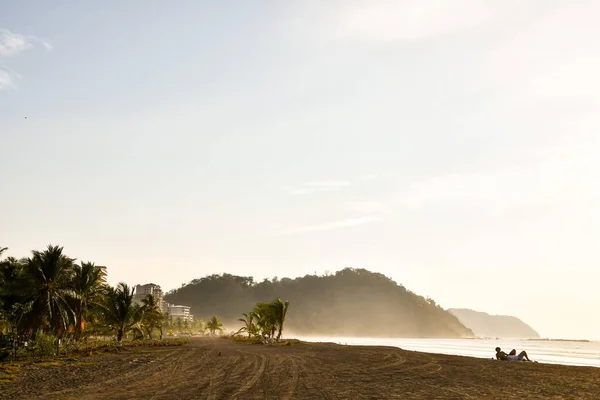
[
  {"x": 141, "y": 291},
  {"x": 177, "y": 311}
]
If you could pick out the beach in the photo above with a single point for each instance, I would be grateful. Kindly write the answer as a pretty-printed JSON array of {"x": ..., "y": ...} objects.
[
  {"x": 565, "y": 352},
  {"x": 225, "y": 369}
]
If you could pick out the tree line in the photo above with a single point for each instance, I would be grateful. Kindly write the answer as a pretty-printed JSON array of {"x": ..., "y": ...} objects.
[{"x": 51, "y": 294}]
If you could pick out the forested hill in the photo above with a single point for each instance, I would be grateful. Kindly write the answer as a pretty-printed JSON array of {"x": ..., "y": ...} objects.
[
  {"x": 486, "y": 325},
  {"x": 352, "y": 302}
]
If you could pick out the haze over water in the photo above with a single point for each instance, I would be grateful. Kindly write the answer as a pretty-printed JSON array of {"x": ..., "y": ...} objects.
[{"x": 551, "y": 352}]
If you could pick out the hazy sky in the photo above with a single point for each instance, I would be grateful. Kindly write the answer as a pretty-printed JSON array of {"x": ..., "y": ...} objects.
[{"x": 451, "y": 145}]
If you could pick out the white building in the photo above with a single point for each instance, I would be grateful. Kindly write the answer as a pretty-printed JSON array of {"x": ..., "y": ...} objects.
[
  {"x": 141, "y": 291},
  {"x": 177, "y": 311}
]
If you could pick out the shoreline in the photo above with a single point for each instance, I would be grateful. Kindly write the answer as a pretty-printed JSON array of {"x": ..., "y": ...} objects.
[{"x": 546, "y": 352}]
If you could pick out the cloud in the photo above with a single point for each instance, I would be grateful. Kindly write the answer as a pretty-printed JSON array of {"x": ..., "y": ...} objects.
[
  {"x": 547, "y": 60},
  {"x": 369, "y": 207},
  {"x": 8, "y": 78},
  {"x": 330, "y": 226},
  {"x": 12, "y": 44},
  {"x": 317, "y": 186},
  {"x": 377, "y": 176},
  {"x": 47, "y": 45},
  {"x": 563, "y": 177},
  {"x": 391, "y": 20}
]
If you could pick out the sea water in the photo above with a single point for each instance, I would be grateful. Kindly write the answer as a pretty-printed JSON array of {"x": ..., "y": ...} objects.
[{"x": 544, "y": 351}]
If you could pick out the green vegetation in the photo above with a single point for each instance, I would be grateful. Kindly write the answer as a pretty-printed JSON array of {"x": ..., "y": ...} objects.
[
  {"x": 121, "y": 314},
  {"x": 213, "y": 325},
  {"x": 351, "y": 302},
  {"x": 8, "y": 373},
  {"x": 51, "y": 305},
  {"x": 152, "y": 317},
  {"x": 265, "y": 320}
]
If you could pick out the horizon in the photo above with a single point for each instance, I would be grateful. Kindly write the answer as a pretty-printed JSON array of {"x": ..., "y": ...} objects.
[{"x": 452, "y": 148}]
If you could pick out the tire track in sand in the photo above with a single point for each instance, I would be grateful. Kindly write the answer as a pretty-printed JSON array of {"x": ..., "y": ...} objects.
[
  {"x": 396, "y": 360},
  {"x": 168, "y": 380},
  {"x": 153, "y": 366},
  {"x": 311, "y": 387},
  {"x": 257, "y": 372},
  {"x": 294, "y": 379},
  {"x": 220, "y": 376}
]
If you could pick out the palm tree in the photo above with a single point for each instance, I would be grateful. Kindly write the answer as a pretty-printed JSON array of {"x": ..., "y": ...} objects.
[
  {"x": 266, "y": 318},
  {"x": 213, "y": 325},
  {"x": 280, "y": 313},
  {"x": 120, "y": 312},
  {"x": 88, "y": 285},
  {"x": 153, "y": 317},
  {"x": 10, "y": 295},
  {"x": 46, "y": 284},
  {"x": 249, "y": 326},
  {"x": 11, "y": 271}
]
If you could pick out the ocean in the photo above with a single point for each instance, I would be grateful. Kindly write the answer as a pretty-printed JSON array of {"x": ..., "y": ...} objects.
[{"x": 552, "y": 352}]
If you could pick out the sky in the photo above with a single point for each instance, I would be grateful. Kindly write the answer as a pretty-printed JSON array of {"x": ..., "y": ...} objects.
[{"x": 451, "y": 146}]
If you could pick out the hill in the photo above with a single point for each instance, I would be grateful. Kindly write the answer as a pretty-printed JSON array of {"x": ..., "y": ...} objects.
[
  {"x": 485, "y": 325},
  {"x": 352, "y": 302}
]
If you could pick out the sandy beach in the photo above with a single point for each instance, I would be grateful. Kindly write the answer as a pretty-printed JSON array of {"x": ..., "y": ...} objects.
[{"x": 225, "y": 369}]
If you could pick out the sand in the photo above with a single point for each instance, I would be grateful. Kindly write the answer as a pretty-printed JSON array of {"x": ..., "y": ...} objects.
[{"x": 225, "y": 369}]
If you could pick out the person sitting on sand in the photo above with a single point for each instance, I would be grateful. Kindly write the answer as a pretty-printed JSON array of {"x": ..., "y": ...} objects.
[{"x": 512, "y": 356}]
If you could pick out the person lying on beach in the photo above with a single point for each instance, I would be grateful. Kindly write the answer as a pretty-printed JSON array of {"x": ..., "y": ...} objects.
[{"x": 512, "y": 356}]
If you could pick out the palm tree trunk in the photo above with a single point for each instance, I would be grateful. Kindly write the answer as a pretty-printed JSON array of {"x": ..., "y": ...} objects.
[
  {"x": 78, "y": 324},
  {"x": 120, "y": 337}
]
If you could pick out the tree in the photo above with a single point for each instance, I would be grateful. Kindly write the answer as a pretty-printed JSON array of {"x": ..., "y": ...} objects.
[
  {"x": 152, "y": 316},
  {"x": 45, "y": 282},
  {"x": 168, "y": 321},
  {"x": 270, "y": 318},
  {"x": 14, "y": 317},
  {"x": 280, "y": 309},
  {"x": 88, "y": 285},
  {"x": 10, "y": 273},
  {"x": 249, "y": 326},
  {"x": 213, "y": 325},
  {"x": 120, "y": 312}
]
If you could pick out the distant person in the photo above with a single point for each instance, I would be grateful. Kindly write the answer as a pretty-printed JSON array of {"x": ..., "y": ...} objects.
[{"x": 512, "y": 356}]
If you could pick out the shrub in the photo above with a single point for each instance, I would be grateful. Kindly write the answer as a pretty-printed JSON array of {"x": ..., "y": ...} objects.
[{"x": 44, "y": 345}]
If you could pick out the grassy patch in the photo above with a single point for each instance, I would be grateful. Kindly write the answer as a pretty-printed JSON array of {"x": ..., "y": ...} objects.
[
  {"x": 284, "y": 342},
  {"x": 86, "y": 363},
  {"x": 48, "y": 364},
  {"x": 142, "y": 350},
  {"x": 108, "y": 346},
  {"x": 244, "y": 339},
  {"x": 8, "y": 373}
]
